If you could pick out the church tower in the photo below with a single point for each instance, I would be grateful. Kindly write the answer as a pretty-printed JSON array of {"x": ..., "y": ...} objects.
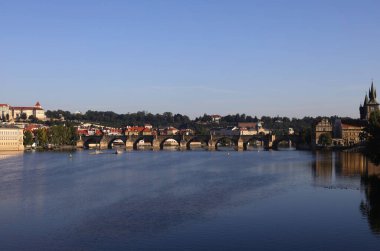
[{"x": 370, "y": 104}]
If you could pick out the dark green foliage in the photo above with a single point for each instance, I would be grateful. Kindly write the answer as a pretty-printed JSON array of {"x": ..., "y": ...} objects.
[
  {"x": 28, "y": 138},
  {"x": 373, "y": 136},
  {"x": 325, "y": 139},
  {"x": 23, "y": 116},
  {"x": 42, "y": 137},
  {"x": 119, "y": 120},
  {"x": 62, "y": 135}
]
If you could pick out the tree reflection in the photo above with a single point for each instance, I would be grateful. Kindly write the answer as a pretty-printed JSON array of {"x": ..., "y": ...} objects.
[{"x": 371, "y": 207}]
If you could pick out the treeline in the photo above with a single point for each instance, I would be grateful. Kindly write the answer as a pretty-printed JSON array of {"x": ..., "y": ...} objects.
[
  {"x": 120, "y": 120},
  {"x": 58, "y": 135}
]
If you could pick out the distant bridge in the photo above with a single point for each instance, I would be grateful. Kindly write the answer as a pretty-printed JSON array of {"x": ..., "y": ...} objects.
[{"x": 157, "y": 142}]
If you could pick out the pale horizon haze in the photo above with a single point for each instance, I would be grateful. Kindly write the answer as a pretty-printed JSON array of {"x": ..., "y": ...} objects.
[{"x": 287, "y": 58}]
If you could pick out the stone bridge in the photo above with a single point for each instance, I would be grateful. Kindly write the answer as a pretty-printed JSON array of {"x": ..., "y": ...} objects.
[{"x": 184, "y": 141}]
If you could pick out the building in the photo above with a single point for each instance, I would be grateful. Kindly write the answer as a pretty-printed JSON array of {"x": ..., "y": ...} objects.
[
  {"x": 320, "y": 127},
  {"x": 11, "y": 139},
  {"x": 252, "y": 128},
  {"x": 4, "y": 111},
  {"x": 36, "y": 111},
  {"x": 216, "y": 118},
  {"x": 370, "y": 104},
  {"x": 350, "y": 132}
]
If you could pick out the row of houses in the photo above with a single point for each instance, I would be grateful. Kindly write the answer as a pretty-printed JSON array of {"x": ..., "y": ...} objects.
[
  {"x": 90, "y": 129},
  {"x": 242, "y": 128}
]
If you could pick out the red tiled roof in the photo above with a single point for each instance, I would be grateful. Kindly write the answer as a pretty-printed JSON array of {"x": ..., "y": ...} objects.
[
  {"x": 4, "y": 105},
  {"x": 25, "y": 108},
  {"x": 31, "y": 127},
  {"x": 347, "y": 126}
]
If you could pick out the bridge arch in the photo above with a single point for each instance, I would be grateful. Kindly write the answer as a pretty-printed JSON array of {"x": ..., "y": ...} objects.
[
  {"x": 286, "y": 138},
  {"x": 111, "y": 140},
  {"x": 229, "y": 138},
  {"x": 195, "y": 138},
  {"x": 167, "y": 138},
  {"x": 138, "y": 139},
  {"x": 259, "y": 137},
  {"x": 91, "y": 140}
]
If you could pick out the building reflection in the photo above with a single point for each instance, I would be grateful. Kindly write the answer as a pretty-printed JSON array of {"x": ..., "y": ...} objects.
[
  {"x": 370, "y": 207},
  {"x": 322, "y": 168},
  {"x": 330, "y": 166},
  {"x": 329, "y": 169}
]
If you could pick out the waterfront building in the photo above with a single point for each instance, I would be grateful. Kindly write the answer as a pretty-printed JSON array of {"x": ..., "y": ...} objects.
[
  {"x": 370, "y": 104},
  {"x": 322, "y": 126},
  {"x": 349, "y": 131},
  {"x": 11, "y": 138}
]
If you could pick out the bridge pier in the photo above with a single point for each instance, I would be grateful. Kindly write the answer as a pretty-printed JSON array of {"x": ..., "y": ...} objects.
[
  {"x": 183, "y": 145},
  {"x": 240, "y": 145},
  {"x": 80, "y": 143},
  {"x": 103, "y": 144},
  {"x": 211, "y": 146},
  {"x": 156, "y": 145},
  {"x": 129, "y": 144}
]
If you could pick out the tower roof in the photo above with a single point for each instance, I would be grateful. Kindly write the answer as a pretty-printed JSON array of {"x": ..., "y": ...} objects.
[
  {"x": 37, "y": 104},
  {"x": 372, "y": 95}
]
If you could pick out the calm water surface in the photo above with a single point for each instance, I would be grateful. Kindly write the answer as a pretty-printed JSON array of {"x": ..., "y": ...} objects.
[{"x": 192, "y": 200}]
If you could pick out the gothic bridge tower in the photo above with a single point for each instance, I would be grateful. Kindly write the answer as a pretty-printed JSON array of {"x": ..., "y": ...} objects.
[{"x": 370, "y": 104}]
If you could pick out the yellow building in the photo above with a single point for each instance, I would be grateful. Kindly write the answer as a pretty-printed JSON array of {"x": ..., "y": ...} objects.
[
  {"x": 11, "y": 139},
  {"x": 351, "y": 134}
]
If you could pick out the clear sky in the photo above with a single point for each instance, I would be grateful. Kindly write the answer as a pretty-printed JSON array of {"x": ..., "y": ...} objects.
[{"x": 284, "y": 57}]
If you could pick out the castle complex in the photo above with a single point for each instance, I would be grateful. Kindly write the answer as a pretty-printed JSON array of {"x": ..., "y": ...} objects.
[{"x": 11, "y": 113}]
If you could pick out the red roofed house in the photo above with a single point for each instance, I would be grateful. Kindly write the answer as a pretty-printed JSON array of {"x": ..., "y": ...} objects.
[{"x": 138, "y": 130}]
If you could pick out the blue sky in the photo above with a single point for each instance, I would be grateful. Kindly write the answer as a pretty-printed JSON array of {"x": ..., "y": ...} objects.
[{"x": 287, "y": 58}]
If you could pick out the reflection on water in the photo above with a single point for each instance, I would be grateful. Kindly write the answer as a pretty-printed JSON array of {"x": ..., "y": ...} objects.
[
  {"x": 347, "y": 166},
  {"x": 371, "y": 206},
  {"x": 10, "y": 154},
  {"x": 190, "y": 200}
]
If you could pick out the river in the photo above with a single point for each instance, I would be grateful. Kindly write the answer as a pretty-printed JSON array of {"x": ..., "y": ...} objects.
[{"x": 190, "y": 200}]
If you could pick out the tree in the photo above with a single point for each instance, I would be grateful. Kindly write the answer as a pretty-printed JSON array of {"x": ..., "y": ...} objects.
[
  {"x": 42, "y": 137},
  {"x": 23, "y": 116},
  {"x": 373, "y": 135},
  {"x": 325, "y": 139},
  {"x": 28, "y": 138}
]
